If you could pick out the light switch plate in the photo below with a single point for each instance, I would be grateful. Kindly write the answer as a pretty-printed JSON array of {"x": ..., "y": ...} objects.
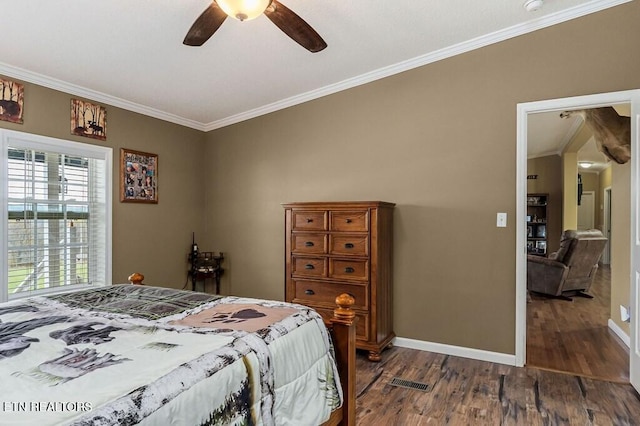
[{"x": 501, "y": 221}]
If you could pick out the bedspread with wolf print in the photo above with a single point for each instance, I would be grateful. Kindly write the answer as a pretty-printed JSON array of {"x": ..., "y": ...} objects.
[{"x": 127, "y": 354}]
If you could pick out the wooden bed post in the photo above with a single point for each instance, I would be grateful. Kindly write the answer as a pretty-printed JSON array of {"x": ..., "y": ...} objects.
[
  {"x": 136, "y": 278},
  {"x": 344, "y": 340}
]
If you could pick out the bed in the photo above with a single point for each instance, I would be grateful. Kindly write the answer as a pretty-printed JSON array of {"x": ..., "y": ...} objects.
[{"x": 137, "y": 354}]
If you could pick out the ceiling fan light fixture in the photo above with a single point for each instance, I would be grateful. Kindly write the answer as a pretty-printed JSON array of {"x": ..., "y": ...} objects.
[{"x": 243, "y": 10}]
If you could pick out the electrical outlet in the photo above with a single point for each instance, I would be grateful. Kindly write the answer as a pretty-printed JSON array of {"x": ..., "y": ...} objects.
[
  {"x": 625, "y": 314},
  {"x": 501, "y": 221}
]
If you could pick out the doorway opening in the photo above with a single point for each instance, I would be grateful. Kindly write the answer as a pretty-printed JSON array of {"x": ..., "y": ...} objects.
[{"x": 525, "y": 112}]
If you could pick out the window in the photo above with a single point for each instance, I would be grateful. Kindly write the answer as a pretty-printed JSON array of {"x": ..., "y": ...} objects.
[{"x": 56, "y": 215}]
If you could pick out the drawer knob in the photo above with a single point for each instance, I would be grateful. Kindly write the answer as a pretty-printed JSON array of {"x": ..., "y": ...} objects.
[
  {"x": 349, "y": 270},
  {"x": 309, "y": 292},
  {"x": 349, "y": 220},
  {"x": 309, "y": 220},
  {"x": 308, "y": 244},
  {"x": 348, "y": 245},
  {"x": 308, "y": 266}
]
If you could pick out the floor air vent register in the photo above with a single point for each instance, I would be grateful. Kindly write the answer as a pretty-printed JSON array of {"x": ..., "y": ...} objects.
[{"x": 409, "y": 384}]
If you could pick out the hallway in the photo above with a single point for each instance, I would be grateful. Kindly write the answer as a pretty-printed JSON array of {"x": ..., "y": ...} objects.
[{"x": 573, "y": 337}]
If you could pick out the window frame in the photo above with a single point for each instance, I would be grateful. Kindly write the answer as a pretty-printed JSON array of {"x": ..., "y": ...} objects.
[{"x": 44, "y": 143}]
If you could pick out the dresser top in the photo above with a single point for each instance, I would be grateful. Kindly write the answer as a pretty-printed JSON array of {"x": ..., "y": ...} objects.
[{"x": 337, "y": 204}]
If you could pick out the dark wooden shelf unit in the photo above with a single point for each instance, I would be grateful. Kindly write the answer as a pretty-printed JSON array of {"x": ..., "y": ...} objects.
[{"x": 537, "y": 230}]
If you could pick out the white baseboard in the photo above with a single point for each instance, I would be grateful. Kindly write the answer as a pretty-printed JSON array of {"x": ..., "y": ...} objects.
[
  {"x": 460, "y": 351},
  {"x": 619, "y": 332}
]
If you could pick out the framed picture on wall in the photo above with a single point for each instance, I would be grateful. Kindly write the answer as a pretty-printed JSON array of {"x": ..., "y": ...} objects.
[
  {"x": 11, "y": 101},
  {"x": 138, "y": 177},
  {"x": 88, "y": 120}
]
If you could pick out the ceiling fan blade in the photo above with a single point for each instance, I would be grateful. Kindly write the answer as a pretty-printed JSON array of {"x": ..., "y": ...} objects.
[
  {"x": 295, "y": 27},
  {"x": 206, "y": 24}
]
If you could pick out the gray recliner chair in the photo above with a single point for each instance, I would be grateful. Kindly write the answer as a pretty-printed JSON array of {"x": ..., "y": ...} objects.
[{"x": 569, "y": 271}]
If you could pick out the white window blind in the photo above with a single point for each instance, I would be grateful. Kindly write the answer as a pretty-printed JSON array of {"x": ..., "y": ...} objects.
[{"x": 57, "y": 215}]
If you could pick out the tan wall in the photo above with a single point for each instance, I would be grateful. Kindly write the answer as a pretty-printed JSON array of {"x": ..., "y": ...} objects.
[
  {"x": 620, "y": 241},
  {"x": 604, "y": 183},
  {"x": 440, "y": 142},
  {"x": 590, "y": 182},
  {"x": 570, "y": 190},
  {"x": 150, "y": 238},
  {"x": 570, "y": 176},
  {"x": 617, "y": 177},
  {"x": 549, "y": 181}
]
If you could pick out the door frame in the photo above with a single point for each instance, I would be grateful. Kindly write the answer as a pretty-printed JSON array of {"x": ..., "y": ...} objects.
[
  {"x": 552, "y": 105},
  {"x": 606, "y": 225}
]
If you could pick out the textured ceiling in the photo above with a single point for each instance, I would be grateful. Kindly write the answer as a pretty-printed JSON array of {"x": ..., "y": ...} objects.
[{"x": 130, "y": 54}]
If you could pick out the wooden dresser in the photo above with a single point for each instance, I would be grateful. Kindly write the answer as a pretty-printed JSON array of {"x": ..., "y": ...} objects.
[{"x": 343, "y": 247}]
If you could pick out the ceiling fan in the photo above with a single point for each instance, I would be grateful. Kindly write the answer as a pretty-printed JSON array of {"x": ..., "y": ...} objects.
[{"x": 290, "y": 23}]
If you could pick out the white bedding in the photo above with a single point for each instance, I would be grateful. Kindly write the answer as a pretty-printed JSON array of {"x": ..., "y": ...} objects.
[{"x": 117, "y": 358}]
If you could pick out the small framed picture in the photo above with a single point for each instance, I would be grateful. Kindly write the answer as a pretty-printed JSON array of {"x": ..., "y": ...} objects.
[
  {"x": 138, "y": 177},
  {"x": 530, "y": 231},
  {"x": 541, "y": 231},
  {"x": 541, "y": 246},
  {"x": 11, "y": 101},
  {"x": 88, "y": 120}
]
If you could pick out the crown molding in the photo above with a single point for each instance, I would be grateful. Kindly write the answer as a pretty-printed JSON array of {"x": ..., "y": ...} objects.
[
  {"x": 571, "y": 132},
  {"x": 544, "y": 154},
  {"x": 457, "y": 49},
  {"x": 83, "y": 92}
]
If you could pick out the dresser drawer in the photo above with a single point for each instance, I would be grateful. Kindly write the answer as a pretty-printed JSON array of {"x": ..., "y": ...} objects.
[
  {"x": 309, "y": 243},
  {"x": 356, "y": 245},
  {"x": 318, "y": 293},
  {"x": 349, "y": 269},
  {"x": 354, "y": 221},
  {"x": 309, "y": 266},
  {"x": 362, "y": 322},
  {"x": 305, "y": 220}
]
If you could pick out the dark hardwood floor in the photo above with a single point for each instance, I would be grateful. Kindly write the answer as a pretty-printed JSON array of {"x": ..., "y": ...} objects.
[
  {"x": 469, "y": 392},
  {"x": 574, "y": 337}
]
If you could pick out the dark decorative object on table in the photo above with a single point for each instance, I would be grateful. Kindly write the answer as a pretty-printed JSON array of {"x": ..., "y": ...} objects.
[{"x": 207, "y": 265}]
